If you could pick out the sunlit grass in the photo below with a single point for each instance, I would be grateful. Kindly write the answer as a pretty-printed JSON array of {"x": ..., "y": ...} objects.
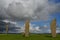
[{"x": 31, "y": 37}]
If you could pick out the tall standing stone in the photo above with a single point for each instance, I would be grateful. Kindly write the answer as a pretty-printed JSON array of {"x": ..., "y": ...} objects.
[
  {"x": 53, "y": 28},
  {"x": 27, "y": 28},
  {"x": 6, "y": 28}
]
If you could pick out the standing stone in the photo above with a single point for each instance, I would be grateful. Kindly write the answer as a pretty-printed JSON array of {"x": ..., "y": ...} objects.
[
  {"x": 6, "y": 28},
  {"x": 53, "y": 28},
  {"x": 27, "y": 28}
]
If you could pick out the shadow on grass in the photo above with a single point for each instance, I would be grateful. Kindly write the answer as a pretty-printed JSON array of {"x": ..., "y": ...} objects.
[{"x": 49, "y": 36}]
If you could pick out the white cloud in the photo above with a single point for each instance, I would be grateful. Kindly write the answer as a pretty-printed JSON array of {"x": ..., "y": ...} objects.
[
  {"x": 32, "y": 9},
  {"x": 22, "y": 28},
  {"x": 57, "y": 31},
  {"x": 49, "y": 31},
  {"x": 45, "y": 26},
  {"x": 37, "y": 29},
  {"x": 8, "y": 21},
  {"x": 32, "y": 28}
]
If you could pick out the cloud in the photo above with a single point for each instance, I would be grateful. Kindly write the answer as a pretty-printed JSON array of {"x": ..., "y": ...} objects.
[
  {"x": 57, "y": 31},
  {"x": 16, "y": 28},
  {"x": 32, "y": 29},
  {"x": 29, "y": 9},
  {"x": 3, "y": 5},
  {"x": 45, "y": 26},
  {"x": 38, "y": 29},
  {"x": 8, "y": 21}
]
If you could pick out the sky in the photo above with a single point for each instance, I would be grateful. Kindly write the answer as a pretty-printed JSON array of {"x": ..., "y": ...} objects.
[{"x": 39, "y": 12}]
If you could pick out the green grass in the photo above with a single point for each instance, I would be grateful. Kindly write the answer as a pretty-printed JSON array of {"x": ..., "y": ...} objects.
[{"x": 31, "y": 37}]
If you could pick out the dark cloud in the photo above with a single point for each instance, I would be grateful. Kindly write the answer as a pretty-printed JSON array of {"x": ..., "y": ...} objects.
[
  {"x": 11, "y": 27},
  {"x": 27, "y": 9}
]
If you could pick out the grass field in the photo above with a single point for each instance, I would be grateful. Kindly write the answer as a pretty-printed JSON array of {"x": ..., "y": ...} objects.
[{"x": 31, "y": 37}]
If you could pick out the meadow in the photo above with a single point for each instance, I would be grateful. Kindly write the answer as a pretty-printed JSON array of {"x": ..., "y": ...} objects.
[{"x": 31, "y": 37}]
